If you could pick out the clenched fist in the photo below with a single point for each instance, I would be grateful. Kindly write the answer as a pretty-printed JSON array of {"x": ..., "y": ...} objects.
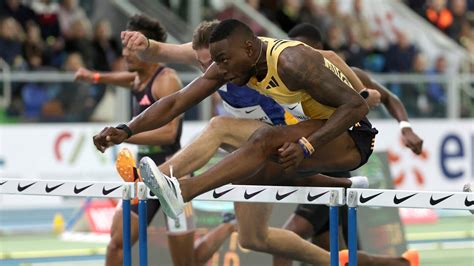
[
  {"x": 134, "y": 41},
  {"x": 83, "y": 74},
  {"x": 109, "y": 136}
]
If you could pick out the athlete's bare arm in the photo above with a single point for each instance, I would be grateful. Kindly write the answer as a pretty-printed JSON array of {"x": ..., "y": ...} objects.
[
  {"x": 165, "y": 84},
  {"x": 302, "y": 67},
  {"x": 395, "y": 108},
  {"x": 123, "y": 79},
  {"x": 159, "y": 51},
  {"x": 163, "y": 111}
]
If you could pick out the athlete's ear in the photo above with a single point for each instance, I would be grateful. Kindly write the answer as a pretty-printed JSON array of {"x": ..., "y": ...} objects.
[{"x": 249, "y": 48}]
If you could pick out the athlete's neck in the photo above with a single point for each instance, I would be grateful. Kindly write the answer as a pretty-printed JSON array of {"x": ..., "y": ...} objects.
[
  {"x": 145, "y": 74},
  {"x": 261, "y": 67}
]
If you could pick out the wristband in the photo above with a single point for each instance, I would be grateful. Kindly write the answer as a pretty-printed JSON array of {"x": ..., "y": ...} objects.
[
  {"x": 364, "y": 93},
  {"x": 404, "y": 124},
  {"x": 305, "y": 150},
  {"x": 126, "y": 129},
  {"x": 95, "y": 77},
  {"x": 307, "y": 146},
  {"x": 148, "y": 44}
]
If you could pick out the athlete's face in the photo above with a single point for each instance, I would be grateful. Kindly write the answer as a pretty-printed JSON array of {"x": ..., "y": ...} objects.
[
  {"x": 234, "y": 59},
  {"x": 204, "y": 57},
  {"x": 132, "y": 61}
]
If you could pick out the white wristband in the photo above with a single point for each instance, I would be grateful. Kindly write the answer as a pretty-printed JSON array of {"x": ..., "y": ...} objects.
[{"x": 404, "y": 124}]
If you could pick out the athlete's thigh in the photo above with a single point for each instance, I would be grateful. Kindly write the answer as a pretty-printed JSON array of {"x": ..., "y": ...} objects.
[
  {"x": 237, "y": 131},
  {"x": 252, "y": 218},
  {"x": 339, "y": 154}
]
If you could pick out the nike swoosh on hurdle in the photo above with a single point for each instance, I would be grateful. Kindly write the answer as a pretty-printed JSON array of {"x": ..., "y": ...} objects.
[
  {"x": 400, "y": 200},
  {"x": 21, "y": 188},
  {"x": 79, "y": 190},
  {"x": 49, "y": 189},
  {"x": 108, "y": 191},
  {"x": 3, "y": 183},
  {"x": 217, "y": 195},
  {"x": 468, "y": 203},
  {"x": 251, "y": 195},
  {"x": 282, "y": 196},
  {"x": 366, "y": 199},
  {"x": 312, "y": 198},
  {"x": 437, "y": 201}
]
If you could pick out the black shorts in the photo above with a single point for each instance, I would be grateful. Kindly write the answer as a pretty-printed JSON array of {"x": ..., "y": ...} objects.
[
  {"x": 363, "y": 135},
  {"x": 153, "y": 205}
]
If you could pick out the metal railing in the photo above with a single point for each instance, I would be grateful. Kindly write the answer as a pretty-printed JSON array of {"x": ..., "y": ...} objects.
[{"x": 458, "y": 89}]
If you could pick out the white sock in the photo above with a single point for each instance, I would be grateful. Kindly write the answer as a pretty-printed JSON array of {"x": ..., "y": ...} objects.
[{"x": 359, "y": 182}]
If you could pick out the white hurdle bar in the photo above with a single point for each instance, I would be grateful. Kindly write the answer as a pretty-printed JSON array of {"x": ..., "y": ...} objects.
[
  {"x": 333, "y": 197},
  {"x": 400, "y": 199}
]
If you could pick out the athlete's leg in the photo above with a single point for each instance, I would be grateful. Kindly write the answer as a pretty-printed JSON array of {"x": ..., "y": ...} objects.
[
  {"x": 206, "y": 246},
  {"x": 181, "y": 247},
  {"x": 221, "y": 130},
  {"x": 339, "y": 154},
  {"x": 255, "y": 234},
  {"x": 114, "y": 254}
]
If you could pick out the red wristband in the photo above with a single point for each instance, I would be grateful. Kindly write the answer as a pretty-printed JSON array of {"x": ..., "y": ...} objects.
[{"x": 96, "y": 77}]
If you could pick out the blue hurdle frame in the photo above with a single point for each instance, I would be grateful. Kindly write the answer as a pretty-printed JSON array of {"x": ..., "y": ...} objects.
[
  {"x": 142, "y": 221},
  {"x": 126, "y": 226},
  {"x": 352, "y": 227}
]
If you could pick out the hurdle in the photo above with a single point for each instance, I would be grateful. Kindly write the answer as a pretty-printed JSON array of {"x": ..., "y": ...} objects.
[
  {"x": 399, "y": 199},
  {"x": 333, "y": 197}
]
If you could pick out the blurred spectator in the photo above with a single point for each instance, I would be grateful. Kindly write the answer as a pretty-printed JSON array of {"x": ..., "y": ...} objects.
[
  {"x": 417, "y": 5},
  {"x": 106, "y": 49},
  {"x": 288, "y": 15},
  {"x": 333, "y": 16},
  {"x": 11, "y": 38},
  {"x": 458, "y": 8},
  {"x": 436, "y": 91},
  {"x": 424, "y": 107},
  {"x": 17, "y": 10},
  {"x": 77, "y": 102},
  {"x": 439, "y": 15},
  {"x": 47, "y": 12},
  {"x": 335, "y": 41},
  {"x": 312, "y": 13},
  {"x": 33, "y": 46},
  {"x": 400, "y": 55},
  {"x": 69, "y": 11},
  {"x": 359, "y": 26},
  {"x": 79, "y": 41}
]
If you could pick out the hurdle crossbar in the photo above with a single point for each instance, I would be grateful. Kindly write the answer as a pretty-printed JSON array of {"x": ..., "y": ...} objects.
[
  {"x": 410, "y": 199},
  {"x": 61, "y": 188},
  {"x": 400, "y": 199},
  {"x": 274, "y": 194}
]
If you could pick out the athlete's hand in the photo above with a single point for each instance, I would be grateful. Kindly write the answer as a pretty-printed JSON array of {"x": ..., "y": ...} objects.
[
  {"x": 411, "y": 140},
  {"x": 134, "y": 40},
  {"x": 374, "y": 98},
  {"x": 83, "y": 74},
  {"x": 109, "y": 136},
  {"x": 290, "y": 156}
]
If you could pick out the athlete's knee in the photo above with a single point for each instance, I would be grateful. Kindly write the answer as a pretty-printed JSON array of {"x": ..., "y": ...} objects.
[
  {"x": 264, "y": 139},
  {"x": 115, "y": 245},
  {"x": 256, "y": 241},
  {"x": 219, "y": 125}
]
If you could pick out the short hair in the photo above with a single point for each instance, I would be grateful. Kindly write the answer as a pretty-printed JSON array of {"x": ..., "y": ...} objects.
[
  {"x": 227, "y": 28},
  {"x": 202, "y": 34},
  {"x": 306, "y": 30},
  {"x": 151, "y": 28}
]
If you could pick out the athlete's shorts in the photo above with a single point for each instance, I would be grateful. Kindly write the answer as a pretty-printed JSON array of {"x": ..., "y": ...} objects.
[
  {"x": 153, "y": 205},
  {"x": 363, "y": 135}
]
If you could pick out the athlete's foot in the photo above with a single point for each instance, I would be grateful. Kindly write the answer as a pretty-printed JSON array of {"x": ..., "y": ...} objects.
[
  {"x": 165, "y": 188},
  {"x": 412, "y": 256},
  {"x": 359, "y": 182},
  {"x": 469, "y": 187},
  {"x": 343, "y": 257}
]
